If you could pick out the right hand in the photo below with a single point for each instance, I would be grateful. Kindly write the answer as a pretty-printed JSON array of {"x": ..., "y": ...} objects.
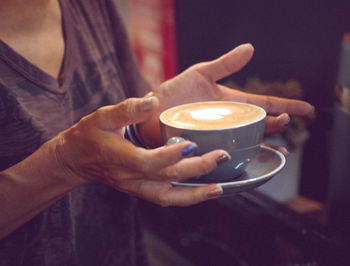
[{"x": 95, "y": 149}]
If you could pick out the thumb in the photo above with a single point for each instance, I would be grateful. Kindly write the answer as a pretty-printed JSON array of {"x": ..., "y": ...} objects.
[{"x": 129, "y": 111}]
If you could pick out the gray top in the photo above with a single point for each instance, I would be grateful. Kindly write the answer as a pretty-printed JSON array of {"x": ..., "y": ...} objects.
[{"x": 92, "y": 225}]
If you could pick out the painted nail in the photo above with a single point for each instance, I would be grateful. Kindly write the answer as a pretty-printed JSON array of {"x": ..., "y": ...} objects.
[
  {"x": 215, "y": 193},
  {"x": 147, "y": 104},
  {"x": 223, "y": 158},
  {"x": 188, "y": 150}
]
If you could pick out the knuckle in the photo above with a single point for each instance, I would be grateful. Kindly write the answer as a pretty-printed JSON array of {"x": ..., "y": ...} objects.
[
  {"x": 143, "y": 164},
  {"x": 171, "y": 174},
  {"x": 128, "y": 106},
  {"x": 144, "y": 167},
  {"x": 164, "y": 202},
  {"x": 99, "y": 113},
  {"x": 205, "y": 168},
  {"x": 122, "y": 109},
  {"x": 226, "y": 66},
  {"x": 127, "y": 109},
  {"x": 84, "y": 120},
  {"x": 268, "y": 103},
  {"x": 197, "y": 67}
]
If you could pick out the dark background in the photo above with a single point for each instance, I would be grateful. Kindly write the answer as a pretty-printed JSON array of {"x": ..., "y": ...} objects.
[{"x": 293, "y": 40}]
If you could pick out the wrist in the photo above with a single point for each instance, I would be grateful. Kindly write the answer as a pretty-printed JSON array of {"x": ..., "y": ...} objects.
[
  {"x": 61, "y": 161},
  {"x": 32, "y": 185}
]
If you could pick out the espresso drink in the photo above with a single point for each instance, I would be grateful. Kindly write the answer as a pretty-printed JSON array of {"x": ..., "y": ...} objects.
[
  {"x": 212, "y": 115},
  {"x": 235, "y": 127}
]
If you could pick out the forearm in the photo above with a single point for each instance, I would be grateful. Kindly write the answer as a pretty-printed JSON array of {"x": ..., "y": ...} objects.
[{"x": 31, "y": 186}]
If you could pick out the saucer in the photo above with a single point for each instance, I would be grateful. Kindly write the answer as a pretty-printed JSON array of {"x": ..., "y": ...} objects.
[{"x": 267, "y": 163}]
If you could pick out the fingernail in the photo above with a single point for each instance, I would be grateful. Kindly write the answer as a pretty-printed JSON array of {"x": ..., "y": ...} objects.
[
  {"x": 288, "y": 120},
  {"x": 223, "y": 158},
  {"x": 248, "y": 44},
  {"x": 312, "y": 109},
  {"x": 147, "y": 104},
  {"x": 174, "y": 140},
  {"x": 215, "y": 193},
  {"x": 284, "y": 151},
  {"x": 188, "y": 150}
]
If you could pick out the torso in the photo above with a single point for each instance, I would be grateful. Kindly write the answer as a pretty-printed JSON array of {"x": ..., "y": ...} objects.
[{"x": 95, "y": 224}]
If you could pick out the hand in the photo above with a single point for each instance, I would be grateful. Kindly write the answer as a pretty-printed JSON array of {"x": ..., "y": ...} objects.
[
  {"x": 198, "y": 83},
  {"x": 95, "y": 149}
]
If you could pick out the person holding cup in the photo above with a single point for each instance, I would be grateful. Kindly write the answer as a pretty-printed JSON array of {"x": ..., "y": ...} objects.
[{"x": 69, "y": 89}]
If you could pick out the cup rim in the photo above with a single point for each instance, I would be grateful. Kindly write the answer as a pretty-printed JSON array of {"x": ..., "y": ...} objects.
[{"x": 214, "y": 129}]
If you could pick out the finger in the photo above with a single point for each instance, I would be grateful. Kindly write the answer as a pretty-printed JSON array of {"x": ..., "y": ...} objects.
[
  {"x": 164, "y": 194},
  {"x": 227, "y": 64},
  {"x": 144, "y": 162},
  {"x": 281, "y": 149},
  {"x": 154, "y": 160},
  {"x": 132, "y": 110},
  {"x": 272, "y": 104},
  {"x": 176, "y": 168},
  {"x": 171, "y": 165},
  {"x": 277, "y": 105},
  {"x": 194, "y": 166},
  {"x": 275, "y": 125}
]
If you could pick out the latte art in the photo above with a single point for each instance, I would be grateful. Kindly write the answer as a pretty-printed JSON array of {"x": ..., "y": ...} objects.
[
  {"x": 209, "y": 114},
  {"x": 212, "y": 115}
]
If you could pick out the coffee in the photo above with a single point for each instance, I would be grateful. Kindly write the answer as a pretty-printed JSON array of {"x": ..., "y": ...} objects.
[
  {"x": 235, "y": 127},
  {"x": 212, "y": 115}
]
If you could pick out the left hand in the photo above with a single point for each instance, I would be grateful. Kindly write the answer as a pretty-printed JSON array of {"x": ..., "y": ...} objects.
[{"x": 199, "y": 83}]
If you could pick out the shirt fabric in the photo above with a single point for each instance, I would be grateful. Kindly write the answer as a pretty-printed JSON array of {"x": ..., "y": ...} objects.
[{"x": 94, "y": 224}]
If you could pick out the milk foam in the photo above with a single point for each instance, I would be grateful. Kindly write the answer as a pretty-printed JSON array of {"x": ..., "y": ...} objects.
[{"x": 212, "y": 115}]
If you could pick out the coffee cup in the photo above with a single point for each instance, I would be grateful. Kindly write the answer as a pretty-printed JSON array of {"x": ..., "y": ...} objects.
[{"x": 235, "y": 127}]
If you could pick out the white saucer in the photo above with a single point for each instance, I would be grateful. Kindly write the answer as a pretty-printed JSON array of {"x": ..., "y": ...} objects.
[{"x": 261, "y": 169}]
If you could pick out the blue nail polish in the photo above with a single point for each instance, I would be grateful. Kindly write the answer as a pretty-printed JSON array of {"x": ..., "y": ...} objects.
[{"x": 188, "y": 150}]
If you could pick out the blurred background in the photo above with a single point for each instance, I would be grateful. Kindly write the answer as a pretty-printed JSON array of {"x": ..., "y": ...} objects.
[{"x": 300, "y": 53}]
